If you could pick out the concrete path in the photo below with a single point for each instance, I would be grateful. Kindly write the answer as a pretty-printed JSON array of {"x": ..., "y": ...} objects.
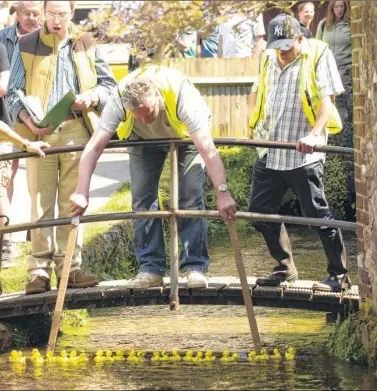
[{"x": 112, "y": 170}]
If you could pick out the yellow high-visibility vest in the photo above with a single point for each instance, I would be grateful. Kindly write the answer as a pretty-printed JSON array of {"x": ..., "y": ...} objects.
[
  {"x": 169, "y": 82},
  {"x": 307, "y": 88}
]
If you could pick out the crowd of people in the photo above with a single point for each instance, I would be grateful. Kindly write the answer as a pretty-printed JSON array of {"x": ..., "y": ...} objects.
[{"x": 44, "y": 55}]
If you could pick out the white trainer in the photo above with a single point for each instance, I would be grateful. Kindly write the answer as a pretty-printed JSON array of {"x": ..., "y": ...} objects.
[
  {"x": 196, "y": 279},
  {"x": 144, "y": 280}
]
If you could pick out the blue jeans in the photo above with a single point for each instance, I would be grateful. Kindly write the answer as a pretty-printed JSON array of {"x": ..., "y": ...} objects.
[
  {"x": 267, "y": 192},
  {"x": 146, "y": 164}
]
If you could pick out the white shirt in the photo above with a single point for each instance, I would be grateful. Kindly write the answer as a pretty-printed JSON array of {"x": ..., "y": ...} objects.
[{"x": 240, "y": 43}]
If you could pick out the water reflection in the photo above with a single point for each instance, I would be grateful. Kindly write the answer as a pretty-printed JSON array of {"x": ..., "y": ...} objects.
[
  {"x": 206, "y": 327},
  {"x": 307, "y": 372}
]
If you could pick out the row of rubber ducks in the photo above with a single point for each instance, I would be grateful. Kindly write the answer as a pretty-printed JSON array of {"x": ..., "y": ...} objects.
[
  {"x": 37, "y": 358},
  {"x": 290, "y": 354},
  {"x": 102, "y": 357}
]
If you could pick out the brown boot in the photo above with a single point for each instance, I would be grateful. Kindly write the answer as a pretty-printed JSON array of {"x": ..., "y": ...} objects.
[
  {"x": 77, "y": 279},
  {"x": 37, "y": 284}
]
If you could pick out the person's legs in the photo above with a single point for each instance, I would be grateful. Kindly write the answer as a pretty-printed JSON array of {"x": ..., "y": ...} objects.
[
  {"x": 146, "y": 164},
  {"x": 73, "y": 132},
  {"x": 15, "y": 164},
  {"x": 192, "y": 232},
  {"x": 5, "y": 176},
  {"x": 307, "y": 184},
  {"x": 267, "y": 191},
  {"x": 42, "y": 178}
]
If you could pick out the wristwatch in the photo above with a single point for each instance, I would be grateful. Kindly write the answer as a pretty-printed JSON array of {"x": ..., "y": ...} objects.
[{"x": 223, "y": 188}]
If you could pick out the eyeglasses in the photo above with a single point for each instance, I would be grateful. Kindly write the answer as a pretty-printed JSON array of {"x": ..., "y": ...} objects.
[
  {"x": 27, "y": 14},
  {"x": 61, "y": 16}
]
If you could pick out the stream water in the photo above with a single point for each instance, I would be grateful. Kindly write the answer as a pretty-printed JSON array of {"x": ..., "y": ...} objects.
[{"x": 206, "y": 327}]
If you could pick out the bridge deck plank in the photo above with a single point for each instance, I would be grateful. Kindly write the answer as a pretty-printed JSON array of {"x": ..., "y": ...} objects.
[{"x": 221, "y": 290}]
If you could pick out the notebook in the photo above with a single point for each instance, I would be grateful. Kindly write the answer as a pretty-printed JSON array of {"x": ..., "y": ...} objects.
[{"x": 55, "y": 116}]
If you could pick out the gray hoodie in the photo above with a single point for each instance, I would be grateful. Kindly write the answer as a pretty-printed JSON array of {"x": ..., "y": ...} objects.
[{"x": 339, "y": 39}]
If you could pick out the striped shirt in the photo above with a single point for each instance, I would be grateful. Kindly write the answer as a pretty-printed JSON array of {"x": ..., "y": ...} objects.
[
  {"x": 9, "y": 38},
  {"x": 65, "y": 79},
  {"x": 284, "y": 117}
]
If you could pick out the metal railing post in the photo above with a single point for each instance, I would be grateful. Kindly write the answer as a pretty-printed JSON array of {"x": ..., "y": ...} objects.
[{"x": 174, "y": 255}]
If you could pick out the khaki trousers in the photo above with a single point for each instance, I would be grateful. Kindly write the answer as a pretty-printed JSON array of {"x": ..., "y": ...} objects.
[{"x": 51, "y": 181}]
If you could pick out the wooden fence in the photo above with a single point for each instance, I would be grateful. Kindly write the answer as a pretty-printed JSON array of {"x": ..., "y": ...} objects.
[{"x": 225, "y": 84}]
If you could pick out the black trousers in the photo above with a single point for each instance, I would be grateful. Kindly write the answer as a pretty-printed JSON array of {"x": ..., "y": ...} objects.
[{"x": 266, "y": 196}]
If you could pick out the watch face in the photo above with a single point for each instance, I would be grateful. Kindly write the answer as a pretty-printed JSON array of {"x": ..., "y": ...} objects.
[{"x": 223, "y": 187}]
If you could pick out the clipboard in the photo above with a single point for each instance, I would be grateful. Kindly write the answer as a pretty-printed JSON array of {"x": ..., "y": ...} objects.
[{"x": 55, "y": 116}]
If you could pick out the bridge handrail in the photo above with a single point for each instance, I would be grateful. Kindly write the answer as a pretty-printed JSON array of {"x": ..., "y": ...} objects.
[
  {"x": 190, "y": 214},
  {"x": 161, "y": 142}
]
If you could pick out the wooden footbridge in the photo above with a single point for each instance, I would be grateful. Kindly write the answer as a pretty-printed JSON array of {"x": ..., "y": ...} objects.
[{"x": 220, "y": 291}]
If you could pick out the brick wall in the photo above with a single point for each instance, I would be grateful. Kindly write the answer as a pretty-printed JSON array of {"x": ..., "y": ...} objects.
[{"x": 364, "y": 58}]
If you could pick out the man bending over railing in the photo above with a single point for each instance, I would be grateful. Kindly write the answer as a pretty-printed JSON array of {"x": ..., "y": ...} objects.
[{"x": 158, "y": 102}]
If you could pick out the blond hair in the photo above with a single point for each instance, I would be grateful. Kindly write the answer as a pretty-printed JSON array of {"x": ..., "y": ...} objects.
[{"x": 137, "y": 92}]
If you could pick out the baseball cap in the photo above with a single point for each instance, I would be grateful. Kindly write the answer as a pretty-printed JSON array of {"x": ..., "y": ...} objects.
[{"x": 282, "y": 32}]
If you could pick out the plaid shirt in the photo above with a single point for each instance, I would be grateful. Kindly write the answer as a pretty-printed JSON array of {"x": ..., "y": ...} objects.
[{"x": 284, "y": 117}]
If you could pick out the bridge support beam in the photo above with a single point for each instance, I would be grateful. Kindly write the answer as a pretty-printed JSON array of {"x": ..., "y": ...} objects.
[{"x": 174, "y": 251}]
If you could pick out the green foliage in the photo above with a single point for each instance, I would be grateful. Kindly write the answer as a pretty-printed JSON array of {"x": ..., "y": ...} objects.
[
  {"x": 345, "y": 341},
  {"x": 75, "y": 318},
  {"x": 238, "y": 163},
  {"x": 20, "y": 337},
  {"x": 108, "y": 250},
  {"x": 336, "y": 185}
]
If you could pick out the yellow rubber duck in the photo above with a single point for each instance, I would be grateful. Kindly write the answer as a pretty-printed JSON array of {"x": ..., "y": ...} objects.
[
  {"x": 132, "y": 355},
  {"x": 39, "y": 361},
  {"x": 17, "y": 357},
  {"x": 175, "y": 355},
  {"x": 155, "y": 356},
  {"x": 34, "y": 354},
  {"x": 290, "y": 354},
  {"x": 62, "y": 358},
  {"x": 276, "y": 354},
  {"x": 225, "y": 356},
  {"x": 140, "y": 356},
  {"x": 119, "y": 356},
  {"x": 99, "y": 357},
  {"x": 252, "y": 355},
  {"x": 21, "y": 360},
  {"x": 189, "y": 356},
  {"x": 109, "y": 356},
  {"x": 50, "y": 358},
  {"x": 208, "y": 356},
  {"x": 73, "y": 358},
  {"x": 263, "y": 356},
  {"x": 235, "y": 357},
  {"x": 13, "y": 357},
  {"x": 199, "y": 357},
  {"x": 82, "y": 358}
]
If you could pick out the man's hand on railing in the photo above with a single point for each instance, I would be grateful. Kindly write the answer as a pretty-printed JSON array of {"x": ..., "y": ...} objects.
[
  {"x": 226, "y": 205},
  {"x": 79, "y": 203},
  {"x": 37, "y": 147}
]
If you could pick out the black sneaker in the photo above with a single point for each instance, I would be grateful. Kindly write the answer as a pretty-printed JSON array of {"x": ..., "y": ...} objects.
[
  {"x": 279, "y": 274},
  {"x": 333, "y": 283}
]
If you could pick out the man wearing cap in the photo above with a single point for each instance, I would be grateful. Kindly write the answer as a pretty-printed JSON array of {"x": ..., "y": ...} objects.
[{"x": 293, "y": 102}]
